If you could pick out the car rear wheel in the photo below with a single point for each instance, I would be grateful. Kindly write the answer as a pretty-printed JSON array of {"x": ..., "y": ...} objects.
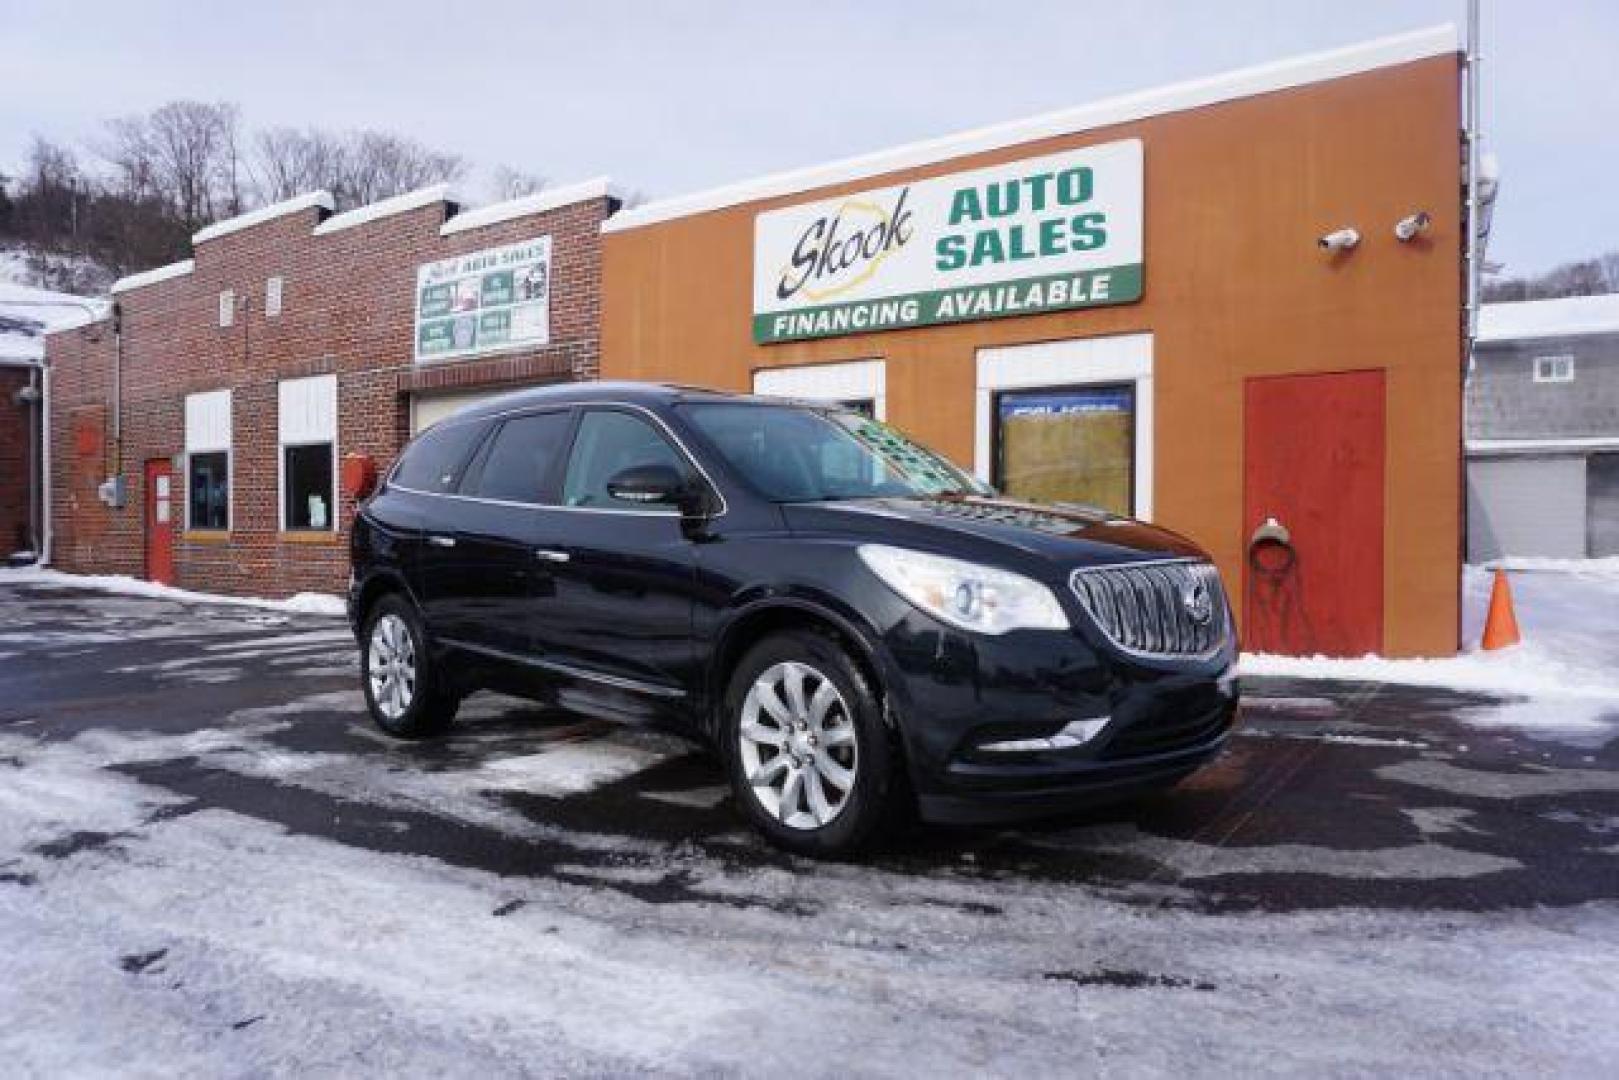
[
  {"x": 401, "y": 686},
  {"x": 808, "y": 752}
]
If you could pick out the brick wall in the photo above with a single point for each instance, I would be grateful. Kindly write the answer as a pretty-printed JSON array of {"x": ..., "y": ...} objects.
[
  {"x": 348, "y": 308},
  {"x": 14, "y": 462}
]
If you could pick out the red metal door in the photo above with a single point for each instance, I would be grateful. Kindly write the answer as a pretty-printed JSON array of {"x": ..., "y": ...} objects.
[
  {"x": 162, "y": 506},
  {"x": 1313, "y": 511}
]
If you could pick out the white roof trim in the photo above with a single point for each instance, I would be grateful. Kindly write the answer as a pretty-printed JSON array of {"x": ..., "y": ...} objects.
[
  {"x": 399, "y": 204},
  {"x": 1484, "y": 447},
  {"x": 308, "y": 200},
  {"x": 600, "y": 187},
  {"x": 1246, "y": 82},
  {"x": 152, "y": 277}
]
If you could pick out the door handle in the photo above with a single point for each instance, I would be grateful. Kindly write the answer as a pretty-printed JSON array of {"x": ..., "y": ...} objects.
[
  {"x": 442, "y": 541},
  {"x": 548, "y": 555}
]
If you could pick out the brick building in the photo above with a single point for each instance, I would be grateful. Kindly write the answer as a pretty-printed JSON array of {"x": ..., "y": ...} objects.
[
  {"x": 224, "y": 392},
  {"x": 25, "y": 314}
]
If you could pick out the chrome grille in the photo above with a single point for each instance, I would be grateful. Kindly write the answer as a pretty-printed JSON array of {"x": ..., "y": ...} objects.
[{"x": 1152, "y": 608}]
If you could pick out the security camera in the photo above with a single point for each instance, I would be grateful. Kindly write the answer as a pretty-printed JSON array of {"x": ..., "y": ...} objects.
[
  {"x": 1408, "y": 227},
  {"x": 1342, "y": 240}
]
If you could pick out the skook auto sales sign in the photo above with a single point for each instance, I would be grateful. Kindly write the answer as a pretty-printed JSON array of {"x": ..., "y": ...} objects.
[{"x": 1041, "y": 234}]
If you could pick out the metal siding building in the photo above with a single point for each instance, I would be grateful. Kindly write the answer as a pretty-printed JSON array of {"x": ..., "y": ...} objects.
[{"x": 1543, "y": 430}]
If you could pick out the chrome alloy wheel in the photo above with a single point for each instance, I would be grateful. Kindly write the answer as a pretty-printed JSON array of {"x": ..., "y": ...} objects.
[
  {"x": 797, "y": 744},
  {"x": 392, "y": 666}
]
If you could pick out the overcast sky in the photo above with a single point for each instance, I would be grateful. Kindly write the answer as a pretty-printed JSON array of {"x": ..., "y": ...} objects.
[{"x": 674, "y": 97}]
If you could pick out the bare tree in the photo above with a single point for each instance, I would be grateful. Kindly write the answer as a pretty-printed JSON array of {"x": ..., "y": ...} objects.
[
  {"x": 506, "y": 182},
  {"x": 1587, "y": 277},
  {"x": 53, "y": 191},
  {"x": 289, "y": 162},
  {"x": 381, "y": 165},
  {"x": 186, "y": 153}
]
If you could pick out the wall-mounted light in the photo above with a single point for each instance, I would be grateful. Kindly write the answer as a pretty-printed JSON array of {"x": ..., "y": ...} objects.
[
  {"x": 1342, "y": 240},
  {"x": 1411, "y": 226}
]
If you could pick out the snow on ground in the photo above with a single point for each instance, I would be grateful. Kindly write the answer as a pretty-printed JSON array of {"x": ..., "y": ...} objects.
[
  {"x": 1564, "y": 675},
  {"x": 140, "y": 935},
  {"x": 298, "y": 604}
]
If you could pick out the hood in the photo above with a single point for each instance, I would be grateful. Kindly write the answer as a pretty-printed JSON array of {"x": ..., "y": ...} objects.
[{"x": 1069, "y": 535}]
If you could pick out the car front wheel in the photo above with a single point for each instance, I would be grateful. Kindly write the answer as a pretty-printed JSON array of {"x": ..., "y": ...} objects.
[
  {"x": 808, "y": 751},
  {"x": 396, "y": 670}
]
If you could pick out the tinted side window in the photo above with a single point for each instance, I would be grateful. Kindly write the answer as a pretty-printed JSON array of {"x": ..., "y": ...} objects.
[
  {"x": 520, "y": 458},
  {"x": 435, "y": 460},
  {"x": 607, "y": 443}
]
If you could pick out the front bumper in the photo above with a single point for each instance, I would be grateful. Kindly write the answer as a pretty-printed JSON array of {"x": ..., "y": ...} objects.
[{"x": 954, "y": 694}]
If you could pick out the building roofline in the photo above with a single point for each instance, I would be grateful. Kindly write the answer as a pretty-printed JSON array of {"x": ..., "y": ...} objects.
[
  {"x": 153, "y": 276},
  {"x": 1569, "y": 444},
  {"x": 398, "y": 204},
  {"x": 600, "y": 187},
  {"x": 1177, "y": 97},
  {"x": 309, "y": 200}
]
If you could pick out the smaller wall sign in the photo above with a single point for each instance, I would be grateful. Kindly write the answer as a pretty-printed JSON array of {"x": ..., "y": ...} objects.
[{"x": 487, "y": 301}]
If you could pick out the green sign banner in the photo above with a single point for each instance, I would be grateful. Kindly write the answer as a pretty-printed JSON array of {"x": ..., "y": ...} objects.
[
  {"x": 1043, "y": 234},
  {"x": 488, "y": 301}
]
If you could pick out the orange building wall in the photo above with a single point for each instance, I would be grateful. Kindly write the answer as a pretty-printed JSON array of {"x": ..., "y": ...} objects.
[{"x": 1236, "y": 195}]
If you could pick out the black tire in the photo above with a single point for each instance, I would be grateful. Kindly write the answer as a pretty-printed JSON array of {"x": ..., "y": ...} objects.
[
  {"x": 431, "y": 707},
  {"x": 867, "y": 802}
]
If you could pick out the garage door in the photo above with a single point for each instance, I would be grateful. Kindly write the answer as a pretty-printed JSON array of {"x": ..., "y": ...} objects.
[
  {"x": 1602, "y": 490},
  {"x": 428, "y": 409},
  {"x": 1525, "y": 506}
]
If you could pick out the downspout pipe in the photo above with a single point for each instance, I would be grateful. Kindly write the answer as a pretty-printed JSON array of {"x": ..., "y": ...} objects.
[{"x": 1475, "y": 154}]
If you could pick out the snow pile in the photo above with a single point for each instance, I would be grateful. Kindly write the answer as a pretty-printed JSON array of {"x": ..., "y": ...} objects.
[
  {"x": 306, "y": 603},
  {"x": 1568, "y": 662}
]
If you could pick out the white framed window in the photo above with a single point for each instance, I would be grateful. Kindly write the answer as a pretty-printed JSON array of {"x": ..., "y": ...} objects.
[
  {"x": 227, "y": 306},
  {"x": 1095, "y": 393},
  {"x": 208, "y": 460},
  {"x": 860, "y": 384},
  {"x": 1554, "y": 369},
  {"x": 307, "y": 450},
  {"x": 272, "y": 297}
]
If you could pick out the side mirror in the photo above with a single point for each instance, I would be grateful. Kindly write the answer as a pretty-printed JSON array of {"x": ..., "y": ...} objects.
[{"x": 650, "y": 485}]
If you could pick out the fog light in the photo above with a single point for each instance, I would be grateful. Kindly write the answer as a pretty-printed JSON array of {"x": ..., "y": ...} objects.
[{"x": 1074, "y": 733}]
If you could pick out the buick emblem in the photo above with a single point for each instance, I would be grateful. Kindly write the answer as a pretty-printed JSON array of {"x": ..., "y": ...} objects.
[{"x": 1198, "y": 603}]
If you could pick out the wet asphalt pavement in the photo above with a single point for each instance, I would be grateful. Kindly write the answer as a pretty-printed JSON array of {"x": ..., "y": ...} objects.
[{"x": 1333, "y": 800}]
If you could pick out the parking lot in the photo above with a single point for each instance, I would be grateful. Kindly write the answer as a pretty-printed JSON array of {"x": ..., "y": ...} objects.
[{"x": 212, "y": 862}]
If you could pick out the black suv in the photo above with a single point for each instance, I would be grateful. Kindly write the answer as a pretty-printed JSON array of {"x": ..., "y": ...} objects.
[{"x": 846, "y": 616}]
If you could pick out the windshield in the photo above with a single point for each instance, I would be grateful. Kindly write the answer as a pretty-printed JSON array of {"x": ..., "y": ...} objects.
[{"x": 795, "y": 453}]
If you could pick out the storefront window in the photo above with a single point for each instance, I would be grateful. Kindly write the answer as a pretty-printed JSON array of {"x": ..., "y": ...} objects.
[
  {"x": 307, "y": 479},
  {"x": 1074, "y": 445},
  {"x": 208, "y": 481}
]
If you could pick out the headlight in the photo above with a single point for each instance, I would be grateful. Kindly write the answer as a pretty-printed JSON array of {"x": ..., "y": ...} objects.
[{"x": 964, "y": 594}]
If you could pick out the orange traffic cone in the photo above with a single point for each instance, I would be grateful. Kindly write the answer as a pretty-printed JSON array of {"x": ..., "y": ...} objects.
[{"x": 1501, "y": 625}]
